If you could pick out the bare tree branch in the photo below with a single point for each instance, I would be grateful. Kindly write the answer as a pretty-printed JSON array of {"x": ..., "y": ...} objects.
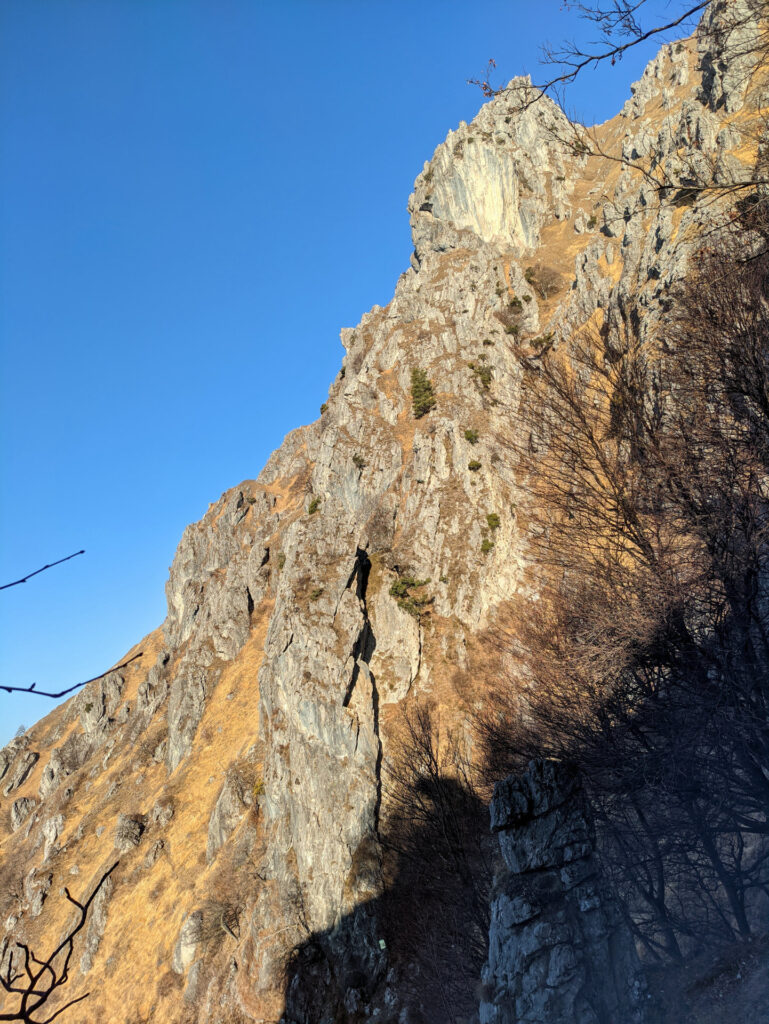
[
  {"x": 50, "y": 976},
  {"x": 77, "y": 686},
  {"x": 620, "y": 18},
  {"x": 50, "y": 565}
]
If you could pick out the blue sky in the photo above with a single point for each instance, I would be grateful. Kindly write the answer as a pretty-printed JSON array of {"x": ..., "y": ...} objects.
[{"x": 195, "y": 196}]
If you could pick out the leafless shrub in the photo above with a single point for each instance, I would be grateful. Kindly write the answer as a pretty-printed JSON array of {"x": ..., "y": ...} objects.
[
  {"x": 545, "y": 280},
  {"x": 149, "y": 743},
  {"x": 169, "y": 983},
  {"x": 220, "y": 919},
  {"x": 11, "y": 886}
]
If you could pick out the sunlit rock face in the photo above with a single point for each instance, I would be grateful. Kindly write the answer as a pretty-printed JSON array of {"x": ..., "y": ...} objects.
[
  {"x": 491, "y": 177},
  {"x": 258, "y": 719}
]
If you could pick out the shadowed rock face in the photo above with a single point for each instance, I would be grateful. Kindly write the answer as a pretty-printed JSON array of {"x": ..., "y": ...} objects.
[
  {"x": 425, "y": 913},
  {"x": 560, "y": 951},
  {"x": 284, "y": 648}
]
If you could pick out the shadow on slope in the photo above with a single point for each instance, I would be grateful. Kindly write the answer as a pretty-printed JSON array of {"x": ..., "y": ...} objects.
[{"x": 414, "y": 953}]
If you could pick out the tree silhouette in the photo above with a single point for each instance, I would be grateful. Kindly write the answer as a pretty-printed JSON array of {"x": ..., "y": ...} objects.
[
  {"x": 33, "y": 980},
  {"x": 646, "y": 658}
]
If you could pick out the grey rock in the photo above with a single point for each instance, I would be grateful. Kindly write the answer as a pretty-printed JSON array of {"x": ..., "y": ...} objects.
[
  {"x": 155, "y": 851},
  {"x": 10, "y": 752},
  {"x": 36, "y": 889},
  {"x": 192, "y": 990},
  {"x": 162, "y": 813},
  {"x": 51, "y": 775},
  {"x": 22, "y": 766},
  {"x": 20, "y": 811},
  {"x": 100, "y": 702},
  {"x": 52, "y": 828},
  {"x": 484, "y": 182},
  {"x": 97, "y": 922},
  {"x": 186, "y": 704},
  {"x": 154, "y": 690},
  {"x": 232, "y": 803},
  {"x": 727, "y": 39},
  {"x": 186, "y": 948},
  {"x": 128, "y": 831},
  {"x": 559, "y": 948}
]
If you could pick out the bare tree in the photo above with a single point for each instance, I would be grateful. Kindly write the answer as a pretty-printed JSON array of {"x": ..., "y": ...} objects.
[
  {"x": 646, "y": 657},
  {"x": 33, "y": 980}
]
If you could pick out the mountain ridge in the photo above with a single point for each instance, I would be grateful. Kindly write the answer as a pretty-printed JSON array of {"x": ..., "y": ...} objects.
[{"x": 357, "y": 573}]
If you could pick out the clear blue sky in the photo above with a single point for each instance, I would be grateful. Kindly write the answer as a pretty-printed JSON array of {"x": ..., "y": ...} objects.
[{"x": 195, "y": 196}]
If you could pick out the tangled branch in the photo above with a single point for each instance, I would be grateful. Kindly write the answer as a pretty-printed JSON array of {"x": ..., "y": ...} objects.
[{"x": 34, "y": 980}]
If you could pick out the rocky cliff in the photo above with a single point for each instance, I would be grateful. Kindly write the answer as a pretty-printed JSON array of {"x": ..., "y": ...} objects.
[
  {"x": 560, "y": 950},
  {"x": 236, "y": 768}
]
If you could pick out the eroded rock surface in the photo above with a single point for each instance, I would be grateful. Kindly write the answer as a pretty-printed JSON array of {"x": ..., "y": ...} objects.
[{"x": 560, "y": 951}]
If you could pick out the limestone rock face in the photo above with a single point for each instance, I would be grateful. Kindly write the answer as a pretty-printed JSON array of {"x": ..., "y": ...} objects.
[
  {"x": 489, "y": 178},
  {"x": 52, "y": 828},
  {"x": 232, "y": 803},
  {"x": 559, "y": 949},
  {"x": 187, "y": 943},
  {"x": 19, "y": 770},
  {"x": 20, "y": 811},
  {"x": 727, "y": 37},
  {"x": 128, "y": 832},
  {"x": 359, "y": 570},
  {"x": 97, "y": 922}
]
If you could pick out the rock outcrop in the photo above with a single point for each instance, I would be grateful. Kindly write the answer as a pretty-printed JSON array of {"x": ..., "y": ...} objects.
[{"x": 560, "y": 951}]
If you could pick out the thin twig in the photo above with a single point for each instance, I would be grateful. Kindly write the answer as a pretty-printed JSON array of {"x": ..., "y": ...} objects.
[
  {"x": 63, "y": 693},
  {"x": 50, "y": 565},
  {"x": 614, "y": 53}
]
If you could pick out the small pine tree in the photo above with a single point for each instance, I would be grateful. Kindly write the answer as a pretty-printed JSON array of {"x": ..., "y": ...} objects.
[{"x": 422, "y": 395}]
